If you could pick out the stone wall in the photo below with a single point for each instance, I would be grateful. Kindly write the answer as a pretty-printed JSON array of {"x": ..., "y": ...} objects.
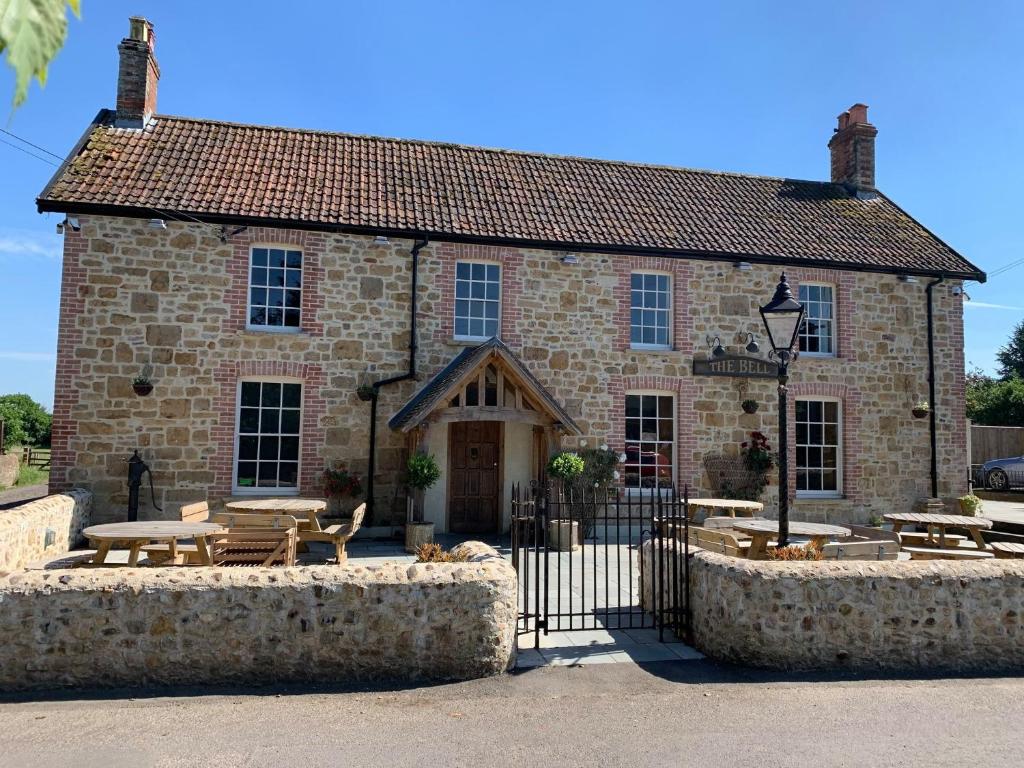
[
  {"x": 108, "y": 627},
  {"x": 175, "y": 300},
  {"x": 23, "y": 529},
  {"x": 913, "y": 616},
  {"x": 10, "y": 463}
]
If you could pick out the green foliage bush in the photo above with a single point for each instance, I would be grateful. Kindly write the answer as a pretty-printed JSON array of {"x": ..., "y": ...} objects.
[
  {"x": 422, "y": 471},
  {"x": 994, "y": 402},
  {"x": 26, "y": 422},
  {"x": 565, "y": 465}
]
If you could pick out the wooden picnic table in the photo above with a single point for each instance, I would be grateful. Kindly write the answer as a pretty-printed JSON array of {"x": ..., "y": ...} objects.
[
  {"x": 974, "y": 525},
  {"x": 305, "y": 510},
  {"x": 137, "y": 534},
  {"x": 761, "y": 531},
  {"x": 728, "y": 506}
]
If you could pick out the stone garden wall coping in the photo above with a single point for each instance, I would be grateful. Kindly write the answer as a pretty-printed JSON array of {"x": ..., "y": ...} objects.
[
  {"x": 188, "y": 626},
  {"x": 23, "y": 528},
  {"x": 897, "y": 616}
]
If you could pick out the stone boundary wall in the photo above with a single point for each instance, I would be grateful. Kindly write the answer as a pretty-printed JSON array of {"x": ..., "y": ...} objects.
[
  {"x": 23, "y": 528},
  {"x": 926, "y": 616},
  {"x": 329, "y": 624}
]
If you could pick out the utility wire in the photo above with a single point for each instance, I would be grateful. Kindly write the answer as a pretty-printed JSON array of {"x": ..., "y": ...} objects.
[
  {"x": 28, "y": 152},
  {"x": 59, "y": 157},
  {"x": 34, "y": 146}
]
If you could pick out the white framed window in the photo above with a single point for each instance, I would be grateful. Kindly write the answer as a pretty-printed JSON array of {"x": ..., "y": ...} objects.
[
  {"x": 275, "y": 289},
  {"x": 477, "y": 300},
  {"x": 819, "y": 452},
  {"x": 267, "y": 433},
  {"x": 650, "y": 313},
  {"x": 650, "y": 440},
  {"x": 817, "y": 335}
]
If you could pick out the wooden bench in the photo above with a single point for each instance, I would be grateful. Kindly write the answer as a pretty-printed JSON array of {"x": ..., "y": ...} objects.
[
  {"x": 254, "y": 546},
  {"x": 724, "y": 523},
  {"x": 1007, "y": 549},
  {"x": 920, "y": 539},
  {"x": 339, "y": 534},
  {"x": 861, "y": 550},
  {"x": 719, "y": 541},
  {"x": 197, "y": 512},
  {"x": 252, "y": 520},
  {"x": 933, "y": 553}
]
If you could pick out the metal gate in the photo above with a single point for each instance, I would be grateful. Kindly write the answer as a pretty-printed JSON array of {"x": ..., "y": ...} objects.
[{"x": 600, "y": 559}]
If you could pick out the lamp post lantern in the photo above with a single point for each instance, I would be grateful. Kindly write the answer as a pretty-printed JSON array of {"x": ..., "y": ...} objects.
[{"x": 782, "y": 317}]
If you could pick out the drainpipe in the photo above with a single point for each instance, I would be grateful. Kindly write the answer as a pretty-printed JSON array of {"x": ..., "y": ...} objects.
[
  {"x": 931, "y": 386},
  {"x": 411, "y": 374}
]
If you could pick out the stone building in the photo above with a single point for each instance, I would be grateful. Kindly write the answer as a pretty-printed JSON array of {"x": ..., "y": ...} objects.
[{"x": 498, "y": 304}]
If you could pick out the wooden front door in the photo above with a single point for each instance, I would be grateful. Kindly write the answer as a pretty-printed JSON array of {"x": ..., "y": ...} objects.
[{"x": 474, "y": 491}]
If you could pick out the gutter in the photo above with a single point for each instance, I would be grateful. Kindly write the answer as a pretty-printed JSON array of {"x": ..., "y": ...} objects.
[
  {"x": 931, "y": 387},
  {"x": 418, "y": 245},
  {"x": 43, "y": 206}
]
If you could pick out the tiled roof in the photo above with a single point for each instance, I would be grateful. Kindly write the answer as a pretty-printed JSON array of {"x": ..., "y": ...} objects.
[
  {"x": 227, "y": 172},
  {"x": 444, "y": 381}
]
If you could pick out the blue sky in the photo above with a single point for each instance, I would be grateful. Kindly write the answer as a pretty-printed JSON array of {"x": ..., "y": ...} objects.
[{"x": 742, "y": 86}]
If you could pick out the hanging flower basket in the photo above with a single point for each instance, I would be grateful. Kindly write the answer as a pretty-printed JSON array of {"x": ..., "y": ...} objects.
[
  {"x": 921, "y": 410},
  {"x": 750, "y": 406},
  {"x": 142, "y": 386},
  {"x": 365, "y": 392}
]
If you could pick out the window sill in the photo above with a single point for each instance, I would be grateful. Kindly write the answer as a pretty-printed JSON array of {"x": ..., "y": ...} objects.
[
  {"x": 256, "y": 331},
  {"x": 241, "y": 494},
  {"x": 835, "y": 497},
  {"x": 465, "y": 342},
  {"x": 819, "y": 355},
  {"x": 654, "y": 350}
]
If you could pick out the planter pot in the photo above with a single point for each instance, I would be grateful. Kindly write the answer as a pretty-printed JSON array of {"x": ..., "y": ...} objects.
[
  {"x": 968, "y": 510},
  {"x": 417, "y": 534},
  {"x": 142, "y": 389},
  {"x": 920, "y": 413},
  {"x": 563, "y": 535},
  {"x": 750, "y": 407}
]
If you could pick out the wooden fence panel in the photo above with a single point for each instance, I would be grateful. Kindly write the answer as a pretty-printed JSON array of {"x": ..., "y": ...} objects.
[{"x": 995, "y": 443}]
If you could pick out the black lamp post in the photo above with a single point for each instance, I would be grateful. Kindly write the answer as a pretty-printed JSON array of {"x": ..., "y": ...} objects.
[{"x": 782, "y": 316}]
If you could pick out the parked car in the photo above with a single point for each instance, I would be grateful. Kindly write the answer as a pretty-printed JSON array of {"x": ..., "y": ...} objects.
[{"x": 1003, "y": 474}]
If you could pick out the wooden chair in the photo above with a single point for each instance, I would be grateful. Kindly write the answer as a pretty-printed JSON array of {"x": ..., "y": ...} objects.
[
  {"x": 861, "y": 550},
  {"x": 719, "y": 541},
  {"x": 338, "y": 535},
  {"x": 254, "y": 546},
  {"x": 197, "y": 512}
]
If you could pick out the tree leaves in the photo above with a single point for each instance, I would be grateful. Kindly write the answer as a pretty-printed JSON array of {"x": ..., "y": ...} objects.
[
  {"x": 1011, "y": 356},
  {"x": 31, "y": 33}
]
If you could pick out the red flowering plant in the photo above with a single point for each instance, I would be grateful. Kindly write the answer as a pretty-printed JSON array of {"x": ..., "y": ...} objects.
[
  {"x": 757, "y": 459},
  {"x": 337, "y": 483}
]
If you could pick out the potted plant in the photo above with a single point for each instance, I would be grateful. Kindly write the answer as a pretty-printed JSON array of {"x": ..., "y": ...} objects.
[
  {"x": 564, "y": 466},
  {"x": 750, "y": 406},
  {"x": 970, "y": 505},
  {"x": 336, "y": 485},
  {"x": 921, "y": 410},
  {"x": 142, "y": 385},
  {"x": 422, "y": 473},
  {"x": 365, "y": 392}
]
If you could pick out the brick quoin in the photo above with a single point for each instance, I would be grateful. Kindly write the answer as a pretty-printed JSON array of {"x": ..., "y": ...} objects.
[
  {"x": 511, "y": 262},
  {"x": 69, "y": 369},
  {"x": 687, "y": 468},
  {"x": 849, "y": 409},
  {"x": 312, "y": 245},
  {"x": 311, "y": 438},
  {"x": 682, "y": 273}
]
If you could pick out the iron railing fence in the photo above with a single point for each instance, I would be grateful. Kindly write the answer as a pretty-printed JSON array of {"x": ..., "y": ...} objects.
[
  {"x": 996, "y": 479},
  {"x": 580, "y": 556}
]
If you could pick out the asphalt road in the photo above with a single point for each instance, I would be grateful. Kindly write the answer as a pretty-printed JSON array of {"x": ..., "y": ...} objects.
[{"x": 691, "y": 713}]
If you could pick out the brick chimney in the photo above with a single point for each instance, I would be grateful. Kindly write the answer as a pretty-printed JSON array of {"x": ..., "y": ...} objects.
[
  {"x": 137, "y": 75},
  {"x": 853, "y": 150}
]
